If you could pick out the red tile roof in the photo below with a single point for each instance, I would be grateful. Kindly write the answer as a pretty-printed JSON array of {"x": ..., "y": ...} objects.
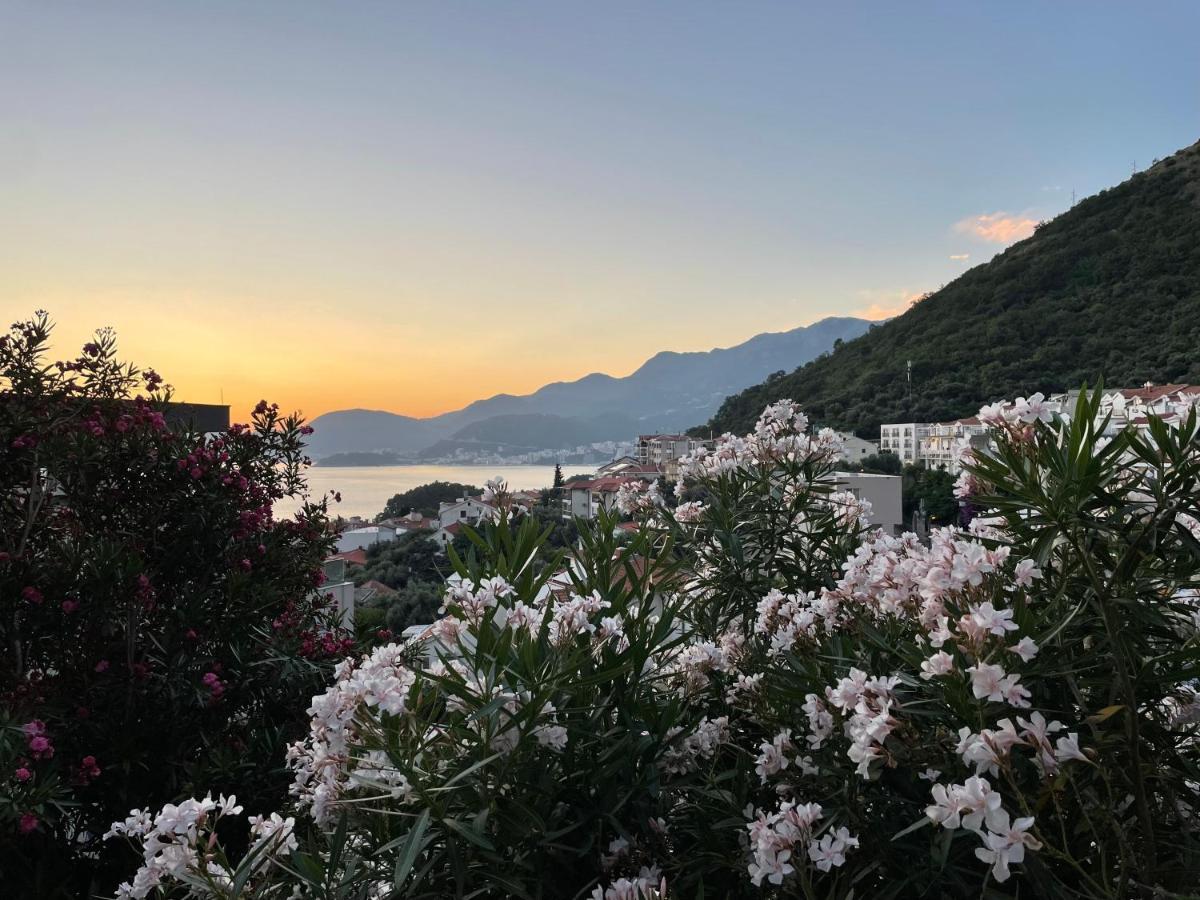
[
  {"x": 604, "y": 485},
  {"x": 358, "y": 557},
  {"x": 1156, "y": 391}
]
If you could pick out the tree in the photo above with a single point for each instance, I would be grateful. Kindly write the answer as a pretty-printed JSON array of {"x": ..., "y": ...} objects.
[
  {"x": 934, "y": 488},
  {"x": 417, "y": 604},
  {"x": 425, "y": 498},
  {"x": 558, "y": 476},
  {"x": 162, "y": 629},
  {"x": 412, "y": 556}
]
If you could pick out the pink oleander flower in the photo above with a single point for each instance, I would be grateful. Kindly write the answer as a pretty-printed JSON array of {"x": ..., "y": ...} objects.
[
  {"x": 29, "y": 823},
  {"x": 31, "y": 594},
  {"x": 22, "y": 774}
]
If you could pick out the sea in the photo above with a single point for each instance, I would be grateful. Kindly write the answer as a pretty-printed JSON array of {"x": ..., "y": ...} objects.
[{"x": 366, "y": 489}]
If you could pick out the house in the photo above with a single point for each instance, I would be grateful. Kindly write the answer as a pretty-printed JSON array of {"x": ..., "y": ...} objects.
[
  {"x": 357, "y": 557},
  {"x": 447, "y": 533},
  {"x": 372, "y": 590},
  {"x": 362, "y": 538},
  {"x": 1134, "y": 406},
  {"x": 468, "y": 510},
  {"x": 413, "y": 521},
  {"x": 585, "y": 499},
  {"x": 622, "y": 465},
  {"x": 882, "y": 492},
  {"x": 855, "y": 449}
]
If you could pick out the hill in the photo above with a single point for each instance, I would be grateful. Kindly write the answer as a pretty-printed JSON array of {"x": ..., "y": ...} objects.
[
  {"x": 668, "y": 392},
  {"x": 1109, "y": 289}
]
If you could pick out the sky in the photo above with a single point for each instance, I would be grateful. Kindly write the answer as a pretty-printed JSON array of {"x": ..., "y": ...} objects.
[{"x": 409, "y": 206}]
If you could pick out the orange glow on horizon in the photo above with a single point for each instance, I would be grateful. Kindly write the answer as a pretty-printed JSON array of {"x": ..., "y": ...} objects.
[{"x": 303, "y": 363}]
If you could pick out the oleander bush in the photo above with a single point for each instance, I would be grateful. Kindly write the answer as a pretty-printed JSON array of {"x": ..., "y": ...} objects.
[
  {"x": 161, "y": 629},
  {"x": 757, "y": 695}
]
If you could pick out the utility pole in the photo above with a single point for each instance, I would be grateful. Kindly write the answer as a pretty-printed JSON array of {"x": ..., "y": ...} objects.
[{"x": 910, "y": 387}]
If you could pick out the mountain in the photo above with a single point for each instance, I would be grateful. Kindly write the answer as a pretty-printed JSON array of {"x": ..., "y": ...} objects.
[
  {"x": 1108, "y": 290},
  {"x": 355, "y": 430},
  {"x": 668, "y": 392},
  {"x": 522, "y": 432}
]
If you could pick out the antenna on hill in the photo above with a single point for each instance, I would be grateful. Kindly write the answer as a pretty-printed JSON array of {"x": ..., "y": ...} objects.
[
  {"x": 909, "y": 385},
  {"x": 1072, "y": 198}
]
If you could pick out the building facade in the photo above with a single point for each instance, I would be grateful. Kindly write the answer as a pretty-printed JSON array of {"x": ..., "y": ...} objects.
[
  {"x": 904, "y": 440},
  {"x": 882, "y": 492},
  {"x": 362, "y": 538},
  {"x": 663, "y": 451}
]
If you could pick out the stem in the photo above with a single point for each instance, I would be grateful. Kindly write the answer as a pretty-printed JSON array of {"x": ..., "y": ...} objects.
[{"x": 1133, "y": 732}]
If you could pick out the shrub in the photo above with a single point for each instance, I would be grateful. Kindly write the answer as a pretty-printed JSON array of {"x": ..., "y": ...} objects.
[
  {"x": 161, "y": 629},
  {"x": 759, "y": 696}
]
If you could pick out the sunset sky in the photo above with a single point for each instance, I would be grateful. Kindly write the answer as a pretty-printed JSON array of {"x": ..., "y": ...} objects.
[{"x": 411, "y": 206}]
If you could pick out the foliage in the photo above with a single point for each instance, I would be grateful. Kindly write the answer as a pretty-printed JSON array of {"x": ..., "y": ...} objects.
[
  {"x": 161, "y": 629},
  {"x": 1108, "y": 290},
  {"x": 425, "y": 498},
  {"x": 416, "y": 604},
  {"x": 935, "y": 489},
  {"x": 759, "y": 697},
  {"x": 414, "y": 555}
]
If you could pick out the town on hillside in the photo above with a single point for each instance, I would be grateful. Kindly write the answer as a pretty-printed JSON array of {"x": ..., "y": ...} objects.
[{"x": 871, "y": 473}]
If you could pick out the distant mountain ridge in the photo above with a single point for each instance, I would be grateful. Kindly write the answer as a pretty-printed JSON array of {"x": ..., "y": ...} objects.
[
  {"x": 670, "y": 391},
  {"x": 1108, "y": 290}
]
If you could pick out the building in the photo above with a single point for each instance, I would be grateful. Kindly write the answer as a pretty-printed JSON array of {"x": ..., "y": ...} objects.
[
  {"x": 882, "y": 492},
  {"x": 904, "y": 440},
  {"x": 339, "y": 589},
  {"x": 628, "y": 467},
  {"x": 932, "y": 444},
  {"x": 1124, "y": 407},
  {"x": 413, "y": 521},
  {"x": 464, "y": 510},
  {"x": 362, "y": 538},
  {"x": 585, "y": 499},
  {"x": 940, "y": 447},
  {"x": 663, "y": 451},
  {"x": 613, "y": 466},
  {"x": 855, "y": 449},
  {"x": 447, "y": 533}
]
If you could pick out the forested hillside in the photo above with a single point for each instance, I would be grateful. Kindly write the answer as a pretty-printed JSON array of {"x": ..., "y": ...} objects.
[{"x": 1109, "y": 289}]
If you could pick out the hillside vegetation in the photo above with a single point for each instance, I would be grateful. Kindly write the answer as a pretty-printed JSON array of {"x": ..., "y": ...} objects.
[{"x": 1109, "y": 289}]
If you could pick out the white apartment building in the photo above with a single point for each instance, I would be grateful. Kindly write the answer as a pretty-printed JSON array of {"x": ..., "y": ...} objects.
[
  {"x": 932, "y": 444},
  {"x": 939, "y": 448},
  {"x": 904, "y": 440},
  {"x": 663, "y": 451}
]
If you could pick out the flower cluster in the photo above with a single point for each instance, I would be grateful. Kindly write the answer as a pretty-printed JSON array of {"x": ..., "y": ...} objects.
[{"x": 178, "y": 847}]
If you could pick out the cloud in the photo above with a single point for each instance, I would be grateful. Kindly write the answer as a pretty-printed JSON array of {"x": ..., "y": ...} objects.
[
  {"x": 997, "y": 227},
  {"x": 960, "y": 257},
  {"x": 885, "y": 304}
]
